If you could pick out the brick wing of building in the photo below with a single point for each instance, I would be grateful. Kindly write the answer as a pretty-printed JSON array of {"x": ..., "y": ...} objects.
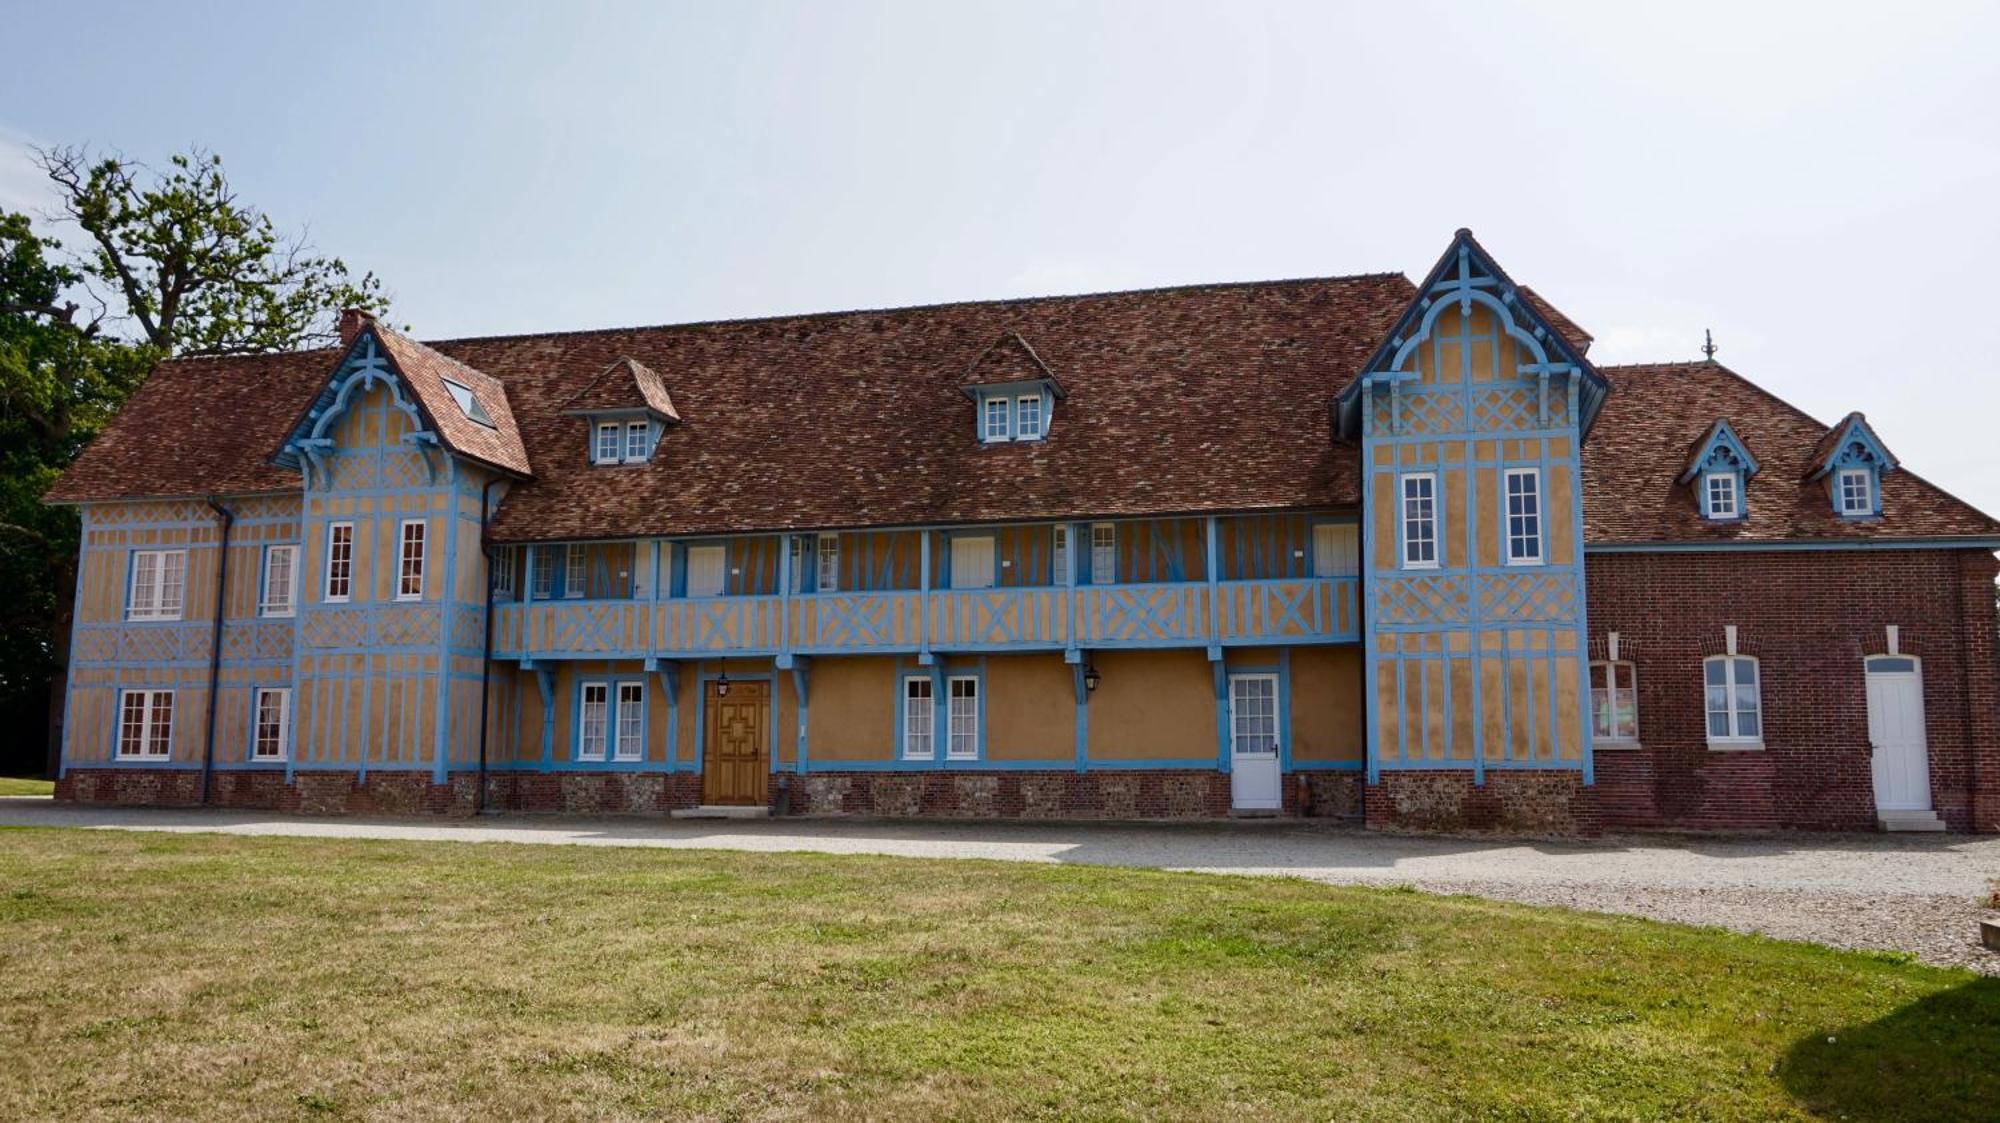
[{"x": 1351, "y": 546}]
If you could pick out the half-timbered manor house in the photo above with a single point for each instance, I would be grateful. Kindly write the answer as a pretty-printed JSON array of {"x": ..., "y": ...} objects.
[{"x": 1351, "y": 546}]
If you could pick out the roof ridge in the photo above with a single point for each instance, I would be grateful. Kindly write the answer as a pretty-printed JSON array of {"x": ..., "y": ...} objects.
[{"x": 725, "y": 321}]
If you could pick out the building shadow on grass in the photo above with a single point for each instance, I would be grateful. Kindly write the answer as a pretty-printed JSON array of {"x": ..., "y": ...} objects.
[{"x": 1937, "y": 1058}]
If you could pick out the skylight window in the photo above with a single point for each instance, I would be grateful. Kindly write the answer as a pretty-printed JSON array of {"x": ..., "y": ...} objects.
[{"x": 468, "y": 403}]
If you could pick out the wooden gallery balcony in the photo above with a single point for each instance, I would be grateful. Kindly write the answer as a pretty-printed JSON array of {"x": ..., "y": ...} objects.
[{"x": 1189, "y": 582}]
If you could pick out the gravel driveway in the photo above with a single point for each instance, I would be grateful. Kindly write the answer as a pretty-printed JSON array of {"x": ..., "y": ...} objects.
[{"x": 1915, "y": 893}]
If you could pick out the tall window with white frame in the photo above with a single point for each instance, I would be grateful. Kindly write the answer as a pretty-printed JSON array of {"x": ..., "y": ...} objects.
[
  {"x": 1854, "y": 491},
  {"x": 964, "y": 715},
  {"x": 1524, "y": 516},
  {"x": 592, "y": 723},
  {"x": 273, "y": 723},
  {"x": 1722, "y": 501},
  {"x": 145, "y": 724},
  {"x": 608, "y": 443},
  {"x": 994, "y": 426},
  {"x": 576, "y": 572},
  {"x": 1059, "y": 556},
  {"x": 918, "y": 732},
  {"x": 826, "y": 571},
  {"x": 1420, "y": 521},
  {"x": 410, "y": 560},
  {"x": 1103, "y": 553},
  {"x": 281, "y": 576},
  {"x": 339, "y": 562},
  {"x": 159, "y": 585},
  {"x": 1028, "y": 417},
  {"x": 638, "y": 439},
  {"x": 503, "y": 572},
  {"x": 544, "y": 561},
  {"x": 1614, "y": 702},
  {"x": 631, "y": 742},
  {"x": 1734, "y": 701}
]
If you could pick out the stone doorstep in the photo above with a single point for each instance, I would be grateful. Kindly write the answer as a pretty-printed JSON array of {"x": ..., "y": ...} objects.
[
  {"x": 722, "y": 811},
  {"x": 1910, "y": 821},
  {"x": 1989, "y": 934}
]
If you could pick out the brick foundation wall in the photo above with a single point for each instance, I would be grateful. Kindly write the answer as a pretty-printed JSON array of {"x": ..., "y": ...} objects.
[
  {"x": 1809, "y": 617},
  {"x": 1517, "y": 801}
]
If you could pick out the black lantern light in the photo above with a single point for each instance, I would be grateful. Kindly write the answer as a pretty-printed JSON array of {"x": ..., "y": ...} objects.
[
  {"x": 722, "y": 681},
  {"x": 1091, "y": 678}
]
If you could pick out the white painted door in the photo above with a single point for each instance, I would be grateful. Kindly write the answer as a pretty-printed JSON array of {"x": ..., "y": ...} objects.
[
  {"x": 1896, "y": 733},
  {"x": 1254, "y": 782},
  {"x": 972, "y": 563},
  {"x": 705, "y": 570}
]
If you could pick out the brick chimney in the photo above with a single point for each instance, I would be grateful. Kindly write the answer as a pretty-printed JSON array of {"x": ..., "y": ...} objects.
[{"x": 352, "y": 320}]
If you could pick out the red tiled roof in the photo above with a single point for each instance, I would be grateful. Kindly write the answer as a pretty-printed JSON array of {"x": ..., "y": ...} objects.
[
  {"x": 625, "y": 384},
  {"x": 1565, "y": 325},
  {"x": 199, "y": 427},
  {"x": 1656, "y": 410},
  {"x": 426, "y": 371},
  {"x": 1010, "y": 359}
]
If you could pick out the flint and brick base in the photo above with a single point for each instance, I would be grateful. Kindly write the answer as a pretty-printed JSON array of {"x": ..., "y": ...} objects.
[{"x": 1515, "y": 801}]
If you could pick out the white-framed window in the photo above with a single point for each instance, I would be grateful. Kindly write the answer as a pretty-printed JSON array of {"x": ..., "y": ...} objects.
[
  {"x": 1524, "y": 516},
  {"x": 631, "y": 725},
  {"x": 1028, "y": 417},
  {"x": 918, "y": 743},
  {"x": 706, "y": 570},
  {"x": 1614, "y": 702},
  {"x": 1420, "y": 521},
  {"x": 1103, "y": 553},
  {"x": 796, "y": 547},
  {"x": 1059, "y": 556},
  {"x": 468, "y": 403},
  {"x": 410, "y": 559},
  {"x": 1734, "y": 703},
  {"x": 592, "y": 720},
  {"x": 1336, "y": 549},
  {"x": 145, "y": 723},
  {"x": 826, "y": 575},
  {"x": 159, "y": 585},
  {"x": 1854, "y": 491},
  {"x": 339, "y": 561},
  {"x": 972, "y": 562},
  {"x": 609, "y": 443},
  {"x": 1719, "y": 497},
  {"x": 995, "y": 420},
  {"x": 544, "y": 560},
  {"x": 279, "y": 593},
  {"x": 503, "y": 571},
  {"x": 576, "y": 570},
  {"x": 638, "y": 440},
  {"x": 273, "y": 723},
  {"x": 963, "y": 691}
]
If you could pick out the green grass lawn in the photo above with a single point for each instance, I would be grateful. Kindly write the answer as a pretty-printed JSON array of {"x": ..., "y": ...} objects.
[
  {"x": 23, "y": 785},
  {"x": 158, "y": 975}
]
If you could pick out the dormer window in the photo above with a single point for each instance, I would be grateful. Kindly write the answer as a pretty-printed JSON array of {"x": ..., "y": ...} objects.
[
  {"x": 609, "y": 444},
  {"x": 1718, "y": 469},
  {"x": 1854, "y": 491},
  {"x": 1014, "y": 393},
  {"x": 1852, "y": 461},
  {"x": 1720, "y": 498},
  {"x": 622, "y": 442},
  {"x": 638, "y": 442}
]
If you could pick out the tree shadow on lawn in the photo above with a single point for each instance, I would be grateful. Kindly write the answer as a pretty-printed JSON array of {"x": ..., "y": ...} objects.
[{"x": 1937, "y": 1058}]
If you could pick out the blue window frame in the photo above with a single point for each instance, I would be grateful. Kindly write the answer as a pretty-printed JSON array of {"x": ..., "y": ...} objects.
[{"x": 1524, "y": 516}]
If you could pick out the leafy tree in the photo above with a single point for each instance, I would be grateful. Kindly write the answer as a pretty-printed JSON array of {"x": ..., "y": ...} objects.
[{"x": 175, "y": 264}]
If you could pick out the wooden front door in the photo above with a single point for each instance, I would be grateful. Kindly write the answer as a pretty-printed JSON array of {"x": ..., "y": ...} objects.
[{"x": 734, "y": 768}]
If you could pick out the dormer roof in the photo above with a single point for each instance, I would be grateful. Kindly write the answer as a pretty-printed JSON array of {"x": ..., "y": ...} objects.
[
  {"x": 1009, "y": 361},
  {"x": 626, "y": 384},
  {"x": 1719, "y": 444},
  {"x": 1838, "y": 442}
]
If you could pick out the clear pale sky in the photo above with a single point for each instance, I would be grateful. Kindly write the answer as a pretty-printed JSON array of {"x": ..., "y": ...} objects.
[{"x": 1820, "y": 184}]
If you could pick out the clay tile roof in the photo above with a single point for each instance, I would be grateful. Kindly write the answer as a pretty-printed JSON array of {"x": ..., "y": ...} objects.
[
  {"x": 1010, "y": 359},
  {"x": 426, "y": 371},
  {"x": 199, "y": 427},
  {"x": 1655, "y": 411},
  {"x": 625, "y": 384},
  {"x": 1565, "y": 325}
]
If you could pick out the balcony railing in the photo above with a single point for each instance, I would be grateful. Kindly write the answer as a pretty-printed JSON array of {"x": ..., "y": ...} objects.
[{"x": 1037, "y": 618}]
